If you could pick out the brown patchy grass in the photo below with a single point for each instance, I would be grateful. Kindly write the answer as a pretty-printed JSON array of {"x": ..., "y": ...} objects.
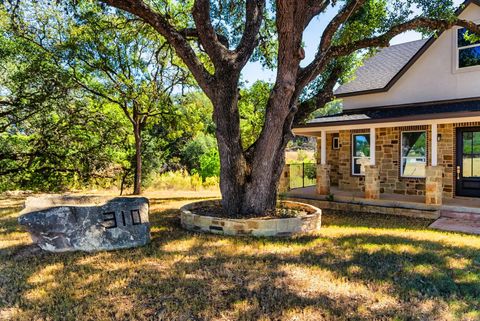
[{"x": 360, "y": 267}]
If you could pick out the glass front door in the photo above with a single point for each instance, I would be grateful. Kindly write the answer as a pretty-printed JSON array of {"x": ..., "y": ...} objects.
[{"x": 468, "y": 162}]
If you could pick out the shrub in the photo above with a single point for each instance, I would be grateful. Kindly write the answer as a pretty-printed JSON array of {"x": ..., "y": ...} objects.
[
  {"x": 210, "y": 164},
  {"x": 181, "y": 180}
]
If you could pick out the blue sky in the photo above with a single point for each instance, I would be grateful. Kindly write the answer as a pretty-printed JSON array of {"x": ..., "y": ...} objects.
[{"x": 254, "y": 71}]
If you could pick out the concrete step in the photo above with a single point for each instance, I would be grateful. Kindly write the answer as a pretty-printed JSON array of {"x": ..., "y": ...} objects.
[
  {"x": 460, "y": 215},
  {"x": 456, "y": 225}
]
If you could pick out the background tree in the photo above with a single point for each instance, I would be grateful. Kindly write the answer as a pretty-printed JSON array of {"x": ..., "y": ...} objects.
[
  {"x": 231, "y": 35},
  {"x": 115, "y": 58},
  {"x": 52, "y": 137}
]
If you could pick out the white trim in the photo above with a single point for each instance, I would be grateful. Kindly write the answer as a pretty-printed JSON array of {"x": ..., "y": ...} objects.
[
  {"x": 456, "y": 53},
  {"x": 314, "y": 131},
  {"x": 434, "y": 145},
  {"x": 352, "y": 149},
  {"x": 373, "y": 143},
  {"x": 336, "y": 139},
  {"x": 323, "y": 148},
  {"x": 401, "y": 151}
]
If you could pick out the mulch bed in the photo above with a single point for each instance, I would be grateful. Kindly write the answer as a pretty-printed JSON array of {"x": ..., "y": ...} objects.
[{"x": 218, "y": 211}]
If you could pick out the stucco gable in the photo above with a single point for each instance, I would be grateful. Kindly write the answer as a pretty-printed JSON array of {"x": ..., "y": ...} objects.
[{"x": 431, "y": 75}]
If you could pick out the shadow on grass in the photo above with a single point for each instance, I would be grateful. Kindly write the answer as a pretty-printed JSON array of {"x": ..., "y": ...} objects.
[{"x": 181, "y": 275}]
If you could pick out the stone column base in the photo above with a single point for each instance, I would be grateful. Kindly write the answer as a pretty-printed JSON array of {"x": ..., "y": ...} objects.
[
  {"x": 372, "y": 182},
  {"x": 433, "y": 185},
  {"x": 284, "y": 184},
  {"x": 323, "y": 179}
]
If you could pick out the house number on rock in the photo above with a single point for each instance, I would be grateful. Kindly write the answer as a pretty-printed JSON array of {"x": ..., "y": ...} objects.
[{"x": 110, "y": 219}]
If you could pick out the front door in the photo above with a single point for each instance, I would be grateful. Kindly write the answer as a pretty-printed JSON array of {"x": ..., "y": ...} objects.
[{"x": 468, "y": 162}]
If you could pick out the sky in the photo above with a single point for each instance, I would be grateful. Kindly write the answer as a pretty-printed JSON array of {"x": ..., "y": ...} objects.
[{"x": 311, "y": 38}]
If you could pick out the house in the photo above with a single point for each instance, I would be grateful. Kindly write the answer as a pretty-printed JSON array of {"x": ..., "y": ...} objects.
[{"x": 410, "y": 123}]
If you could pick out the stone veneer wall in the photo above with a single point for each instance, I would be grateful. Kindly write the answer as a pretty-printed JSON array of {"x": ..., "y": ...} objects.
[
  {"x": 446, "y": 157},
  {"x": 388, "y": 159},
  {"x": 332, "y": 158}
]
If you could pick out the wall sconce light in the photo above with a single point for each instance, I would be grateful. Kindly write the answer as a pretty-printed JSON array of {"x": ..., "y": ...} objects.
[{"x": 439, "y": 137}]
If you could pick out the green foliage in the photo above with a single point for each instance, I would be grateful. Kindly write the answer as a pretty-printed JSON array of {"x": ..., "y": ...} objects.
[
  {"x": 252, "y": 104},
  {"x": 310, "y": 171},
  {"x": 194, "y": 150},
  {"x": 332, "y": 108},
  {"x": 210, "y": 164}
]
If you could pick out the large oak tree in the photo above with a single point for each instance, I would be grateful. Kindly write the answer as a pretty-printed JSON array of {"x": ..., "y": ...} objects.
[{"x": 216, "y": 39}]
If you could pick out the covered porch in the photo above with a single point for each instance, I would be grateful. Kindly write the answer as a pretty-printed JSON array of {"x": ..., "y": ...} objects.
[
  {"x": 420, "y": 161},
  {"x": 410, "y": 154}
]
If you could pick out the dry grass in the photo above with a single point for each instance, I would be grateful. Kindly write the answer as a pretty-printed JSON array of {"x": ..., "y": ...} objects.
[{"x": 365, "y": 267}]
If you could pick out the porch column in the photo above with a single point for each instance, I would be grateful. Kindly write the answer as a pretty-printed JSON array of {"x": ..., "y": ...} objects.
[
  {"x": 373, "y": 144},
  {"x": 323, "y": 170},
  {"x": 372, "y": 173},
  {"x": 433, "y": 185},
  {"x": 284, "y": 184},
  {"x": 323, "y": 148},
  {"x": 372, "y": 182},
  {"x": 434, "y": 144}
]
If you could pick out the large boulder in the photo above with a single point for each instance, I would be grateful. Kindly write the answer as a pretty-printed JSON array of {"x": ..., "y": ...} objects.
[{"x": 86, "y": 223}]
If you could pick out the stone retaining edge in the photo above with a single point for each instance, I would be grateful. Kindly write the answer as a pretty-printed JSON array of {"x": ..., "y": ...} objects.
[{"x": 309, "y": 223}]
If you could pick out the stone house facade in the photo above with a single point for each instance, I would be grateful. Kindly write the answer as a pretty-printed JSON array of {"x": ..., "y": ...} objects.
[{"x": 410, "y": 123}]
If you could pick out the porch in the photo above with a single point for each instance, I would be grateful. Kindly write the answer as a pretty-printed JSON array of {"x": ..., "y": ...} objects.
[
  {"x": 465, "y": 204},
  {"x": 419, "y": 161}
]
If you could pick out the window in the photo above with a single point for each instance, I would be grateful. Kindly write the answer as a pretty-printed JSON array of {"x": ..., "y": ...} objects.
[
  {"x": 414, "y": 154},
  {"x": 335, "y": 143},
  {"x": 360, "y": 153},
  {"x": 468, "y": 49}
]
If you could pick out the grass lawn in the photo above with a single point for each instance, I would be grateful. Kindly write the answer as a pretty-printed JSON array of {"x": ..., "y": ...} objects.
[{"x": 360, "y": 267}]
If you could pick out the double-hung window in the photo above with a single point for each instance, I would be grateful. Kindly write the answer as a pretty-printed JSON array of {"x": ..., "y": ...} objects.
[
  {"x": 360, "y": 153},
  {"x": 468, "y": 48},
  {"x": 414, "y": 154}
]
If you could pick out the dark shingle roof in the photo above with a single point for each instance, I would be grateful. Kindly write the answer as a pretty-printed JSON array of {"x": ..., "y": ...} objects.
[
  {"x": 414, "y": 112},
  {"x": 380, "y": 69}
]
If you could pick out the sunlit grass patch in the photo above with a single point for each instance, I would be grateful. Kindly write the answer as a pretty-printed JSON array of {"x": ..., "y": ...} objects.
[{"x": 361, "y": 267}]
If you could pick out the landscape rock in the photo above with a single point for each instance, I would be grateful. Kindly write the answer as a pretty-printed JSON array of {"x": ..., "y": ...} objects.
[{"x": 86, "y": 223}]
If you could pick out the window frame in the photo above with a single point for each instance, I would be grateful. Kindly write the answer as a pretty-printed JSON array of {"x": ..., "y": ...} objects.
[
  {"x": 401, "y": 151},
  {"x": 352, "y": 157},
  {"x": 457, "y": 49},
  {"x": 337, "y": 144}
]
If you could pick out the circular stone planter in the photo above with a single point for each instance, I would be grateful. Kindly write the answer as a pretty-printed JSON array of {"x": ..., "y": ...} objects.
[
  {"x": 302, "y": 224},
  {"x": 86, "y": 223}
]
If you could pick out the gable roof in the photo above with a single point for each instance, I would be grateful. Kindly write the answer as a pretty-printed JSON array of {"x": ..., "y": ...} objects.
[
  {"x": 365, "y": 82},
  {"x": 377, "y": 71}
]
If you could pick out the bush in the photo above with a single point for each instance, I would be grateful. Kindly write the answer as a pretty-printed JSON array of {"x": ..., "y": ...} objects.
[
  {"x": 181, "y": 180},
  {"x": 210, "y": 164},
  {"x": 196, "y": 148}
]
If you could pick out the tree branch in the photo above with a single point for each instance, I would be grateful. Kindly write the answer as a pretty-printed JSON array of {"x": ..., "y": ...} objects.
[
  {"x": 193, "y": 33},
  {"x": 217, "y": 52},
  {"x": 316, "y": 67},
  {"x": 384, "y": 39},
  {"x": 254, "y": 15},
  {"x": 161, "y": 24},
  {"x": 336, "y": 22},
  {"x": 307, "y": 75},
  {"x": 323, "y": 97}
]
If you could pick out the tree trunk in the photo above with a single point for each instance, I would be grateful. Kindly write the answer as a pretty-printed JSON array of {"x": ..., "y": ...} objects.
[
  {"x": 249, "y": 180},
  {"x": 233, "y": 165},
  {"x": 137, "y": 183}
]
